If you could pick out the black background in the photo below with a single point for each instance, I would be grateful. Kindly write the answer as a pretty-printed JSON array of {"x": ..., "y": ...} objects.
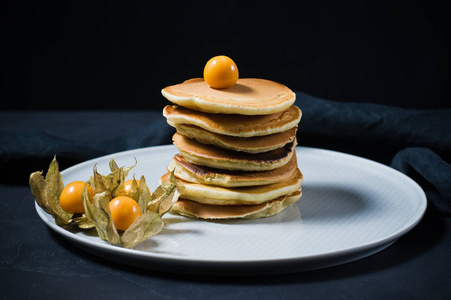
[{"x": 118, "y": 55}]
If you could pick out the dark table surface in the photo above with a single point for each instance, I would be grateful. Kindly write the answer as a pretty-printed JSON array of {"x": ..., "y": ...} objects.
[{"x": 35, "y": 262}]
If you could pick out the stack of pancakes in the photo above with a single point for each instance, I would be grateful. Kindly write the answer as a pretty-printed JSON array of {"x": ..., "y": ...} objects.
[{"x": 237, "y": 148}]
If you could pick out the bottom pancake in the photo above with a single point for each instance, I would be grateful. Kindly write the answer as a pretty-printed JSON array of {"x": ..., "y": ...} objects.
[{"x": 194, "y": 209}]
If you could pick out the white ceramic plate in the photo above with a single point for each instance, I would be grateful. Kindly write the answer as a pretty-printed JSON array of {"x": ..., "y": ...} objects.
[{"x": 351, "y": 208}]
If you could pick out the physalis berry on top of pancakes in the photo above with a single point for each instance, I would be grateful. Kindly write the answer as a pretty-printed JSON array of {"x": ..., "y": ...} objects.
[{"x": 221, "y": 72}]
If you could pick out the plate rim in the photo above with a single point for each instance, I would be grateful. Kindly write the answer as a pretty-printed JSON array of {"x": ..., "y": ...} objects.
[{"x": 166, "y": 259}]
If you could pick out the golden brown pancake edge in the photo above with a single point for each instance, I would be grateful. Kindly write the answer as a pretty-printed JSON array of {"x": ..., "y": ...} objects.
[
  {"x": 252, "y": 145},
  {"x": 205, "y": 211},
  {"x": 211, "y": 176},
  {"x": 247, "y": 195},
  {"x": 206, "y": 155},
  {"x": 234, "y": 124}
]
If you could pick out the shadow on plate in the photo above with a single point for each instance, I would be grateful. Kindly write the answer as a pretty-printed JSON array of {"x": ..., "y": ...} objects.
[{"x": 321, "y": 202}]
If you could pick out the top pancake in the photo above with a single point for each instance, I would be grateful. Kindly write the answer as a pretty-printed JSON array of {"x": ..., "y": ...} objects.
[{"x": 249, "y": 96}]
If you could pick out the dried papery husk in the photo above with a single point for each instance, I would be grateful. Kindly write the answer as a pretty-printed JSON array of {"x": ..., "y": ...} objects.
[
  {"x": 143, "y": 195},
  {"x": 165, "y": 196},
  {"x": 116, "y": 179},
  {"x": 113, "y": 182},
  {"x": 83, "y": 222},
  {"x": 47, "y": 192},
  {"x": 144, "y": 227},
  {"x": 99, "y": 213}
]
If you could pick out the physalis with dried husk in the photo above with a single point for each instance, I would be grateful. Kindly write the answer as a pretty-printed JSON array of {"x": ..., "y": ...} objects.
[{"x": 122, "y": 212}]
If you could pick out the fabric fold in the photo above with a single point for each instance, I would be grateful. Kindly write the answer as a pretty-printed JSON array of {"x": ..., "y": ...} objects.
[{"x": 430, "y": 172}]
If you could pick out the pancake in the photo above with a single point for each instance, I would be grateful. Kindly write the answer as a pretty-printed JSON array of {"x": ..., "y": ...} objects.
[
  {"x": 216, "y": 195},
  {"x": 249, "y": 96},
  {"x": 235, "y": 125},
  {"x": 205, "y": 211},
  {"x": 210, "y": 156},
  {"x": 210, "y": 176},
  {"x": 257, "y": 144}
]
